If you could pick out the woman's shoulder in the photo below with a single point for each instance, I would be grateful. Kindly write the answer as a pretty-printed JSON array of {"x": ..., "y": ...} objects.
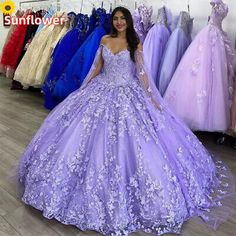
[{"x": 105, "y": 39}]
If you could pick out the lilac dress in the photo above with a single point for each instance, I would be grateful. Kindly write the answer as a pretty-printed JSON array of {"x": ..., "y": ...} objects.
[
  {"x": 155, "y": 44},
  {"x": 102, "y": 160},
  {"x": 176, "y": 46},
  {"x": 142, "y": 21},
  {"x": 199, "y": 91}
]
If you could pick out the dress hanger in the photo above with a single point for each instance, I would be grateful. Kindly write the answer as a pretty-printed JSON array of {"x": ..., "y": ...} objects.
[
  {"x": 164, "y": 3},
  {"x": 188, "y": 6},
  {"x": 81, "y": 7},
  {"x": 111, "y": 8}
]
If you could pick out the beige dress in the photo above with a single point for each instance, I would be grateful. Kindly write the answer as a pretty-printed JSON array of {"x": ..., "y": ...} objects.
[{"x": 34, "y": 66}]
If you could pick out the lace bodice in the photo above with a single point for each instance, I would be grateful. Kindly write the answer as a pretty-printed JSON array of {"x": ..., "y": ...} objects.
[
  {"x": 142, "y": 21},
  {"x": 162, "y": 16},
  {"x": 219, "y": 12},
  {"x": 185, "y": 22},
  {"x": 118, "y": 66}
]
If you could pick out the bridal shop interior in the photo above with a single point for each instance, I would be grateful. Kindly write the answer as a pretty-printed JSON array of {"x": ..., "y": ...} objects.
[{"x": 189, "y": 47}]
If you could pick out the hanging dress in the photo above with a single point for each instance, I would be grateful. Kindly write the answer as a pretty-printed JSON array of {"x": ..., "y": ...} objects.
[
  {"x": 200, "y": 90},
  {"x": 13, "y": 48},
  {"x": 61, "y": 56},
  {"x": 155, "y": 44},
  {"x": 48, "y": 14},
  {"x": 142, "y": 18},
  {"x": 79, "y": 66},
  {"x": 35, "y": 63},
  {"x": 177, "y": 44},
  {"x": 5, "y": 70}
]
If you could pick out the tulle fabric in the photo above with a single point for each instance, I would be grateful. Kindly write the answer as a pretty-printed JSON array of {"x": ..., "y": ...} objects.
[
  {"x": 206, "y": 71},
  {"x": 223, "y": 193},
  {"x": 154, "y": 47},
  {"x": 91, "y": 165},
  {"x": 34, "y": 66}
]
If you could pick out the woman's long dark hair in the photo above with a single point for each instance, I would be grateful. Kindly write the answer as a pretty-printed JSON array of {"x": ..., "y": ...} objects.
[{"x": 131, "y": 35}]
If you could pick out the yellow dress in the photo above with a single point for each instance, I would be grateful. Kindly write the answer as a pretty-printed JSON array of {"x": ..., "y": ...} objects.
[{"x": 34, "y": 66}]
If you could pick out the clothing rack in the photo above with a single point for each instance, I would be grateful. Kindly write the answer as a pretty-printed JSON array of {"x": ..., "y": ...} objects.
[{"x": 36, "y": 1}]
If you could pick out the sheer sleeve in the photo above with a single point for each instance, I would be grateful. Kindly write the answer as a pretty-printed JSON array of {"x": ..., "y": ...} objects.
[
  {"x": 145, "y": 79},
  {"x": 95, "y": 68}
]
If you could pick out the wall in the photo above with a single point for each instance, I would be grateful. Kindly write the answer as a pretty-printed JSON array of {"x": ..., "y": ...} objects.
[{"x": 199, "y": 9}]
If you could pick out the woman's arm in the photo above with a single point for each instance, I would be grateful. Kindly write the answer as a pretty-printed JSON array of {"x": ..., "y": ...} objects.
[
  {"x": 97, "y": 67},
  {"x": 143, "y": 76},
  {"x": 98, "y": 62}
]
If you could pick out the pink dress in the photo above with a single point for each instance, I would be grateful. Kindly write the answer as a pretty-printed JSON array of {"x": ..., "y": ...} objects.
[{"x": 200, "y": 91}]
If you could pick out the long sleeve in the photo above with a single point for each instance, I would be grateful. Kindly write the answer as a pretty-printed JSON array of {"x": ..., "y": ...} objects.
[
  {"x": 144, "y": 77},
  {"x": 95, "y": 68}
]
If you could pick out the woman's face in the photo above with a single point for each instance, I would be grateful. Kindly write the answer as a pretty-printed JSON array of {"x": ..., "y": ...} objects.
[{"x": 119, "y": 22}]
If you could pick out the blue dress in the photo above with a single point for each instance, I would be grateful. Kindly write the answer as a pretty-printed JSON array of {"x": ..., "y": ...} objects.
[
  {"x": 62, "y": 55},
  {"x": 79, "y": 66},
  {"x": 177, "y": 44}
]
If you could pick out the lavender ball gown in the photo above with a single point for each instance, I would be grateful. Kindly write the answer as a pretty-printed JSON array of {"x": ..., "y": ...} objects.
[
  {"x": 142, "y": 21},
  {"x": 177, "y": 44},
  {"x": 200, "y": 90},
  {"x": 155, "y": 44},
  {"x": 107, "y": 159}
]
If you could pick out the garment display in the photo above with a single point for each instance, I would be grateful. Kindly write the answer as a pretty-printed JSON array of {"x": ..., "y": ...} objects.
[
  {"x": 142, "y": 18},
  {"x": 13, "y": 48},
  {"x": 200, "y": 90},
  {"x": 30, "y": 32},
  {"x": 155, "y": 44},
  {"x": 63, "y": 53},
  {"x": 77, "y": 69},
  {"x": 34, "y": 66},
  {"x": 177, "y": 44},
  {"x": 5, "y": 70},
  {"x": 102, "y": 160},
  {"x": 50, "y": 12}
]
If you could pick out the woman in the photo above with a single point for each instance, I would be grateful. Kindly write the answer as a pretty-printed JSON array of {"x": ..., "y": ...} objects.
[{"x": 113, "y": 158}]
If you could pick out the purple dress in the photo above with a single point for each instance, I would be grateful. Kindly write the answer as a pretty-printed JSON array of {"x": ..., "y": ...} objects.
[
  {"x": 142, "y": 21},
  {"x": 200, "y": 90},
  {"x": 107, "y": 159},
  {"x": 155, "y": 44},
  {"x": 176, "y": 46}
]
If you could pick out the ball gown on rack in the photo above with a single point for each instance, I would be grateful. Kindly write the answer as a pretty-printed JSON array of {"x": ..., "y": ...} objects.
[
  {"x": 200, "y": 91},
  {"x": 5, "y": 69},
  {"x": 177, "y": 44},
  {"x": 34, "y": 65},
  {"x": 106, "y": 159},
  {"x": 50, "y": 12},
  {"x": 155, "y": 44},
  {"x": 62, "y": 54},
  {"x": 13, "y": 48},
  {"x": 77, "y": 69},
  {"x": 142, "y": 21}
]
